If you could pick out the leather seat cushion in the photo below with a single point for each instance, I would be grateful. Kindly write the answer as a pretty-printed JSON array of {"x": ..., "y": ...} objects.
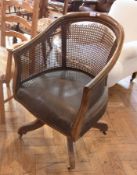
[{"x": 55, "y": 97}]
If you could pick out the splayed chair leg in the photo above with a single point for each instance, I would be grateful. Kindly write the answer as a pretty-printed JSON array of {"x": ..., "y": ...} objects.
[
  {"x": 71, "y": 153},
  {"x": 30, "y": 127},
  {"x": 103, "y": 127},
  {"x": 2, "y": 110},
  {"x": 133, "y": 76}
]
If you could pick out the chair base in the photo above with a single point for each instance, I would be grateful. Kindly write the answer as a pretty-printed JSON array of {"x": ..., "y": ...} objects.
[
  {"x": 2, "y": 110},
  {"x": 70, "y": 144},
  {"x": 30, "y": 127},
  {"x": 37, "y": 124},
  {"x": 103, "y": 127}
]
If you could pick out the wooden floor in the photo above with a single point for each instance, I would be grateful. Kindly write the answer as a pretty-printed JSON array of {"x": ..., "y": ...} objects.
[{"x": 43, "y": 152}]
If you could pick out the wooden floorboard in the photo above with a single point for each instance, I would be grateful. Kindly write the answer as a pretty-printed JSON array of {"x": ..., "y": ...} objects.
[{"x": 44, "y": 151}]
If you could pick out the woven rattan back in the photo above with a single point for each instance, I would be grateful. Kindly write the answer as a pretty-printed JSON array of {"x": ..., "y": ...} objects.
[{"x": 84, "y": 42}]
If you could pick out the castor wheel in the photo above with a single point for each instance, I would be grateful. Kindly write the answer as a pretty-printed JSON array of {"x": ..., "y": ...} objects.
[
  {"x": 103, "y": 127},
  {"x": 30, "y": 127},
  {"x": 20, "y": 136},
  {"x": 21, "y": 131}
]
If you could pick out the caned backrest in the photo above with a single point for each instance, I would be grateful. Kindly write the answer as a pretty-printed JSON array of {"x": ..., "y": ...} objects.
[{"x": 84, "y": 42}]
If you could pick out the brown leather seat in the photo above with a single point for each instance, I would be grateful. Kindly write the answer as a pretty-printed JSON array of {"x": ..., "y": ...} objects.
[
  {"x": 58, "y": 95},
  {"x": 64, "y": 85}
]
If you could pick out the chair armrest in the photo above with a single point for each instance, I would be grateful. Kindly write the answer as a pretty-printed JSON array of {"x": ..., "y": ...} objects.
[{"x": 16, "y": 45}]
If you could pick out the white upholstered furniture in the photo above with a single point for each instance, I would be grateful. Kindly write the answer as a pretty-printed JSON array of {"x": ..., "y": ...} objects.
[{"x": 125, "y": 12}]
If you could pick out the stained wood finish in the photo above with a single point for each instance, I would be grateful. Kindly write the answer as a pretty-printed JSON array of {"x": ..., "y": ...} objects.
[
  {"x": 71, "y": 153},
  {"x": 2, "y": 113},
  {"x": 25, "y": 7},
  {"x": 79, "y": 122},
  {"x": 6, "y": 56},
  {"x": 43, "y": 151},
  {"x": 113, "y": 56}
]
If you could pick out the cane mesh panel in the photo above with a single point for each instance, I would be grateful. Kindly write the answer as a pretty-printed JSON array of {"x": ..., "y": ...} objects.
[
  {"x": 89, "y": 46},
  {"x": 42, "y": 56},
  {"x": 80, "y": 46}
]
